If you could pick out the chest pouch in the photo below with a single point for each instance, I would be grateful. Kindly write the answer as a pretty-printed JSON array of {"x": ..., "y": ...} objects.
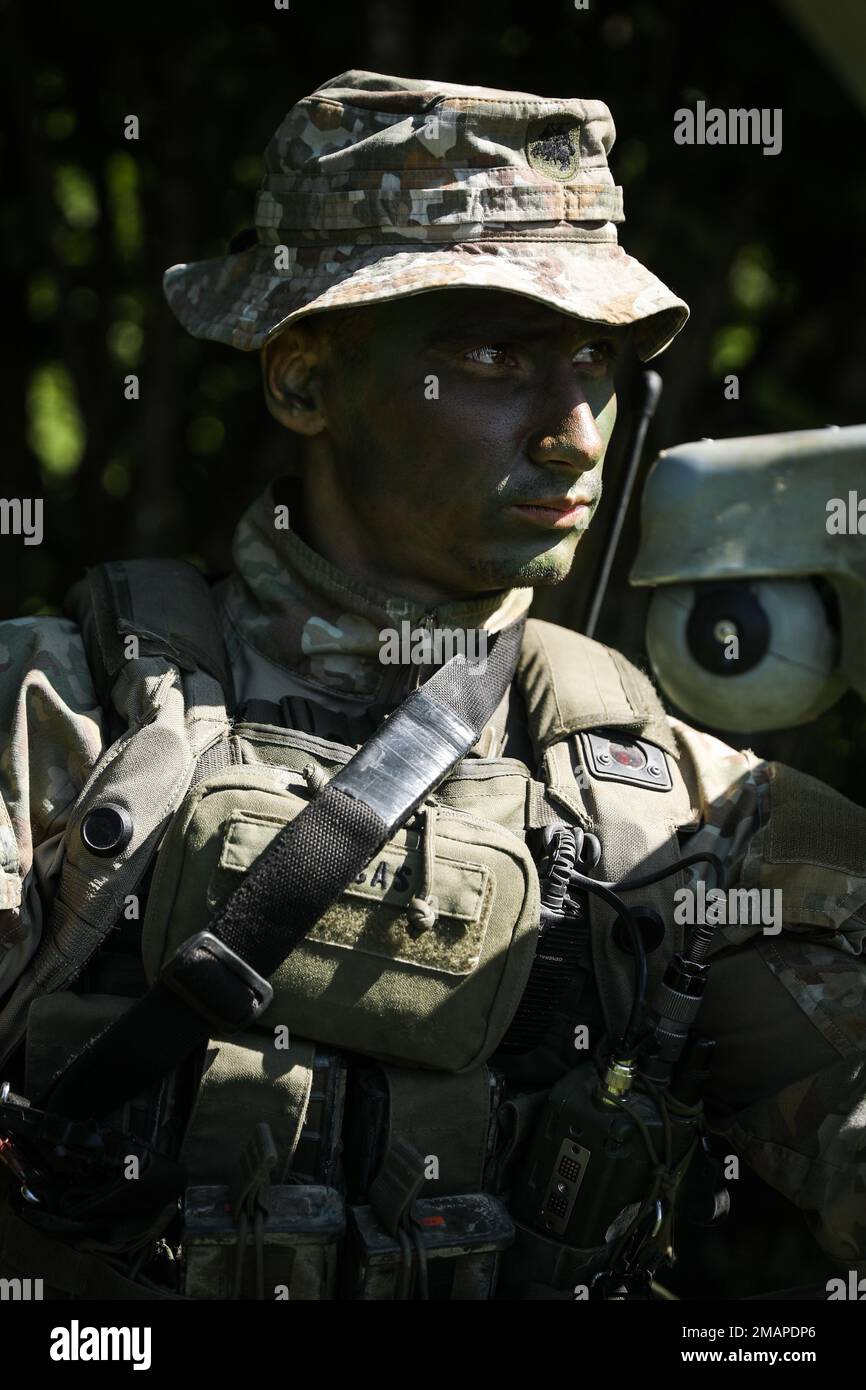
[{"x": 423, "y": 958}]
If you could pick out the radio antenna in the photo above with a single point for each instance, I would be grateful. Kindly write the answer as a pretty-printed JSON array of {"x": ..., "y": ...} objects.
[{"x": 652, "y": 389}]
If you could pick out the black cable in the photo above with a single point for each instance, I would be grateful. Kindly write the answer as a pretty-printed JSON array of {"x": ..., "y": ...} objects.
[
  {"x": 625, "y": 885},
  {"x": 662, "y": 1174}
]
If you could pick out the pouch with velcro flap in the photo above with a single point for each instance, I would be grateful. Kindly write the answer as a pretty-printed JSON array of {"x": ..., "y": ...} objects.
[{"x": 433, "y": 988}]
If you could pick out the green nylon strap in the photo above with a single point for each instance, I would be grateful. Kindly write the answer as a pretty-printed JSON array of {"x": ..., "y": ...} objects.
[
  {"x": 446, "y": 1118},
  {"x": 244, "y": 1082}
]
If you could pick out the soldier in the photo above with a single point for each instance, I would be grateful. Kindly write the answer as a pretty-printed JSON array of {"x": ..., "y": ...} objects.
[{"x": 440, "y": 303}]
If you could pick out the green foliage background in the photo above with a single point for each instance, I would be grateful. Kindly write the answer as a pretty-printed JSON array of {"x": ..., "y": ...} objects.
[{"x": 767, "y": 251}]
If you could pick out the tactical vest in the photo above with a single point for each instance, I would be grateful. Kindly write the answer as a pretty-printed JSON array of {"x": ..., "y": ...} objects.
[{"x": 389, "y": 1018}]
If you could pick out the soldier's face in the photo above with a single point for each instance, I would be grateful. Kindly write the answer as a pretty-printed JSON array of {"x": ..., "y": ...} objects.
[{"x": 467, "y": 437}]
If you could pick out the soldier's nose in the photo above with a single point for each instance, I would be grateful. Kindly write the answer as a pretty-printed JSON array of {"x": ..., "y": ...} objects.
[{"x": 574, "y": 441}]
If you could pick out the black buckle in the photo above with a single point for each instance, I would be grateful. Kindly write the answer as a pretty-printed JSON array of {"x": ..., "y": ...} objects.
[{"x": 210, "y": 977}]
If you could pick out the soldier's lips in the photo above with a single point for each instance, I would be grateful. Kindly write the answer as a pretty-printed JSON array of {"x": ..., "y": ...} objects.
[{"x": 560, "y": 515}]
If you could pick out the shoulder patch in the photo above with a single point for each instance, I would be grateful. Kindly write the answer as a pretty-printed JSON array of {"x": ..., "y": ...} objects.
[
  {"x": 553, "y": 146},
  {"x": 613, "y": 756}
]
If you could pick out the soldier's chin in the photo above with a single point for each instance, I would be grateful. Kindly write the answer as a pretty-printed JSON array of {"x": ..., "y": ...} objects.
[
  {"x": 550, "y": 566},
  {"x": 542, "y": 572},
  {"x": 546, "y": 569}
]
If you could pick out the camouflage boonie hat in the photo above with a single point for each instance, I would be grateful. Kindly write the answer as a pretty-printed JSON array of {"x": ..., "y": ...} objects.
[{"x": 378, "y": 187}]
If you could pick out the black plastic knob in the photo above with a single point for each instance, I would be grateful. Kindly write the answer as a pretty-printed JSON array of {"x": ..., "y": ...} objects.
[{"x": 107, "y": 829}]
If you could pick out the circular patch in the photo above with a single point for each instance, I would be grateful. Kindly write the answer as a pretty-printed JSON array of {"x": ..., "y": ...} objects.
[{"x": 553, "y": 146}]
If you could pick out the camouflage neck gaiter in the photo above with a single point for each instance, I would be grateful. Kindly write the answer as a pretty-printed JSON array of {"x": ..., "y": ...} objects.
[{"x": 296, "y": 624}]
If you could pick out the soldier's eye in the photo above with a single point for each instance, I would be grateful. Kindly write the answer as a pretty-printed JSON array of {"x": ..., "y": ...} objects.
[
  {"x": 597, "y": 354},
  {"x": 492, "y": 355}
]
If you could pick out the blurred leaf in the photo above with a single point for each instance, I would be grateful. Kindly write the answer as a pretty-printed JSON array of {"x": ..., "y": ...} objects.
[
  {"x": 76, "y": 196},
  {"x": 59, "y": 124},
  {"x": 751, "y": 280},
  {"x": 50, "y": 83},
  {"x": 205, "y": 435},
  {"x": 42, "y": 296},
  {"x": 116, "y": 478},
  {"x": 129, "y": 306},
  {"x": 732, "y": 348},
  {"x": 56, "y": 431},
  {"x": 121, "y": 177},
  {"x": 247, "y": 171},
  {"x": 617, "y": 30},
  {"x": 74, "y": 245},
  {"x": 124, "y": 341}
]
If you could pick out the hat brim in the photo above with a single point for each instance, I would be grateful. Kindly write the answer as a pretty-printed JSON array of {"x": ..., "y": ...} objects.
[{"x": 243, "y": 301}]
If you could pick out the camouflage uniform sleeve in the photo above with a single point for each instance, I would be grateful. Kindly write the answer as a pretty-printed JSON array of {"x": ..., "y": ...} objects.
[
  {"x": 781, "y": 831},
  {"x": 50, "y": 738}
]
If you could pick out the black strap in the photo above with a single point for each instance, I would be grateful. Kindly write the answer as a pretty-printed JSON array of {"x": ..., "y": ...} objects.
[{"x": 217, "y": 981}]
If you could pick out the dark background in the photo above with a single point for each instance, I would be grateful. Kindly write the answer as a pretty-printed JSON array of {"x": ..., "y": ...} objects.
[{"x": 766, "y": 250}]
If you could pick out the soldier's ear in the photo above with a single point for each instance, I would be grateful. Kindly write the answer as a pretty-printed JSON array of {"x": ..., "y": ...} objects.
[{"x": 291, "y": 380}]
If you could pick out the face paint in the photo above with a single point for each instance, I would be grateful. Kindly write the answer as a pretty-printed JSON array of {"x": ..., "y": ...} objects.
[{"x": 459, "y": 441}]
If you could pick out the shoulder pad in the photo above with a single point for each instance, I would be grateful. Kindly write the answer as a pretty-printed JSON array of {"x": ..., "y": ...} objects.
[
  {"x": 571, "y": 683},
  {"x": 165, "y": 604}
]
